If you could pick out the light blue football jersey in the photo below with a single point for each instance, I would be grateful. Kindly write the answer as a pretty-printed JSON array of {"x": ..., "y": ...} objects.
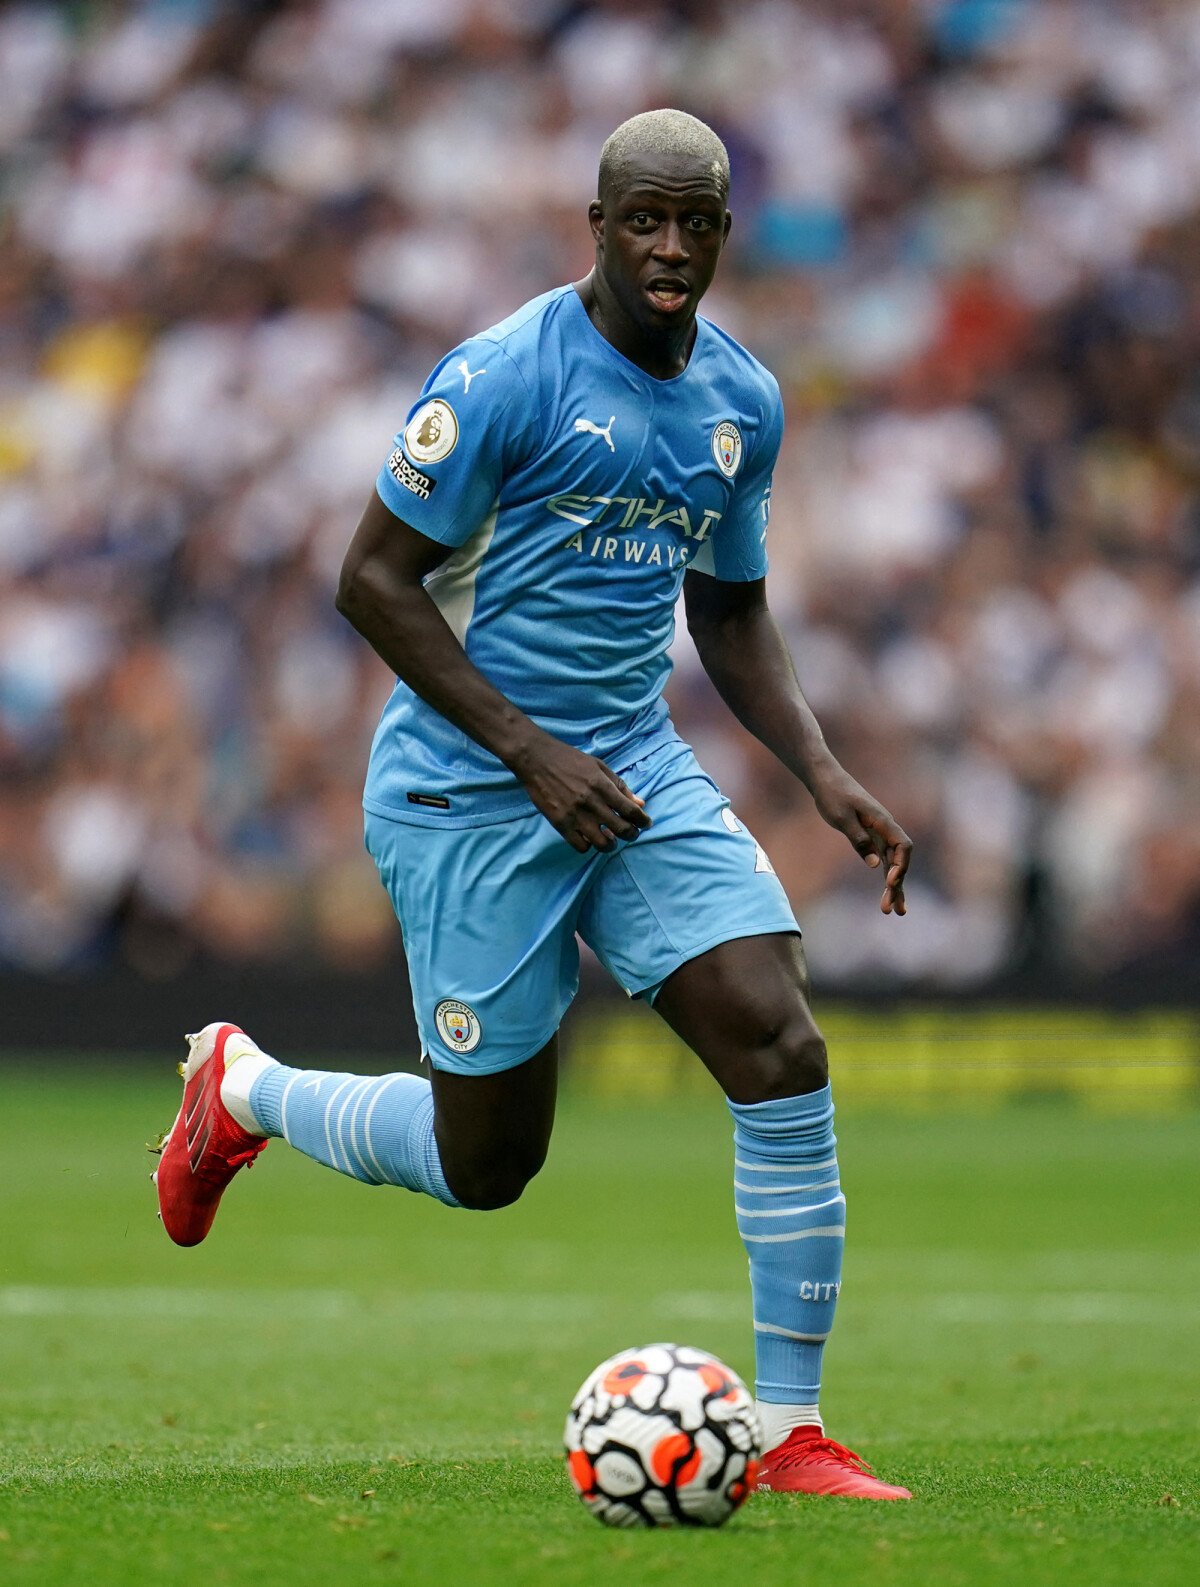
[{"x": 576, "y": 490}]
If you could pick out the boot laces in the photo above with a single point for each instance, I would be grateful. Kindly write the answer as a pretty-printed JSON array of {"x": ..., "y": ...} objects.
[
  {"x": 246, "y": 1158},
  {"x": 806, "y": 1451},
  {"x": 220, "y": 1168}
]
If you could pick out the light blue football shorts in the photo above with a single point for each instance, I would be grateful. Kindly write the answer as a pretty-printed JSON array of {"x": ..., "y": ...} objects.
[{"x": 490, "y": 913}]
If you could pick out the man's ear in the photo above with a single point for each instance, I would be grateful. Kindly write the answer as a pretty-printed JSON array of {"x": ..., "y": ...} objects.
[
  {"x": 728, "y": 224},
  {"x": 596, "y": 219}
]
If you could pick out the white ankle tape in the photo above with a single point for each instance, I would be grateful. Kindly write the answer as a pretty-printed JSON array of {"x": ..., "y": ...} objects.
[
  {"x": 237, "y": 1085},
  {"x": 779, "y": 1420}
]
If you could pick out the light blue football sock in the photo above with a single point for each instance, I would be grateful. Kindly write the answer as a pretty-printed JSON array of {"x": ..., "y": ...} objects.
[
  {"x": 376, "y": 1128},
  {"x": 791, "y": 1215}
]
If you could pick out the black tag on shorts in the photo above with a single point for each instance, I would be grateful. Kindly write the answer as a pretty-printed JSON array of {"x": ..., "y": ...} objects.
[{"x": 434, "y": 801}]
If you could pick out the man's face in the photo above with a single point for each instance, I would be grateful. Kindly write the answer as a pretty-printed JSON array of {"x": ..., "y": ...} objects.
[{"x": 659, "y": 232}]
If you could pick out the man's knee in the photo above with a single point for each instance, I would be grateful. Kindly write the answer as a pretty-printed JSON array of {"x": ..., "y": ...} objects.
[
  {"x": 493, "y": 1131},
  {"x": 484, "y": 1187},
  {"x": 787, "y": 1058}
]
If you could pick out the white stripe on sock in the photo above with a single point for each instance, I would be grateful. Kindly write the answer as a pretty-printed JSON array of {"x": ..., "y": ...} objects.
[
  {"x": 789, "y": 1333},
  {"x": 805, "y": 1234},
  {"x": 357, "y": 1086},
  {"x": 789, "y": 1212},
  {"x": 358, "y": 1101},
  {"x": 391, "y": 1080},
  {"x": 792, "y": 1168},
  {"x": 283, "y": 1106},
  {"x": 328, "y": 1110},
  {"x": 824, "y": 1184}
]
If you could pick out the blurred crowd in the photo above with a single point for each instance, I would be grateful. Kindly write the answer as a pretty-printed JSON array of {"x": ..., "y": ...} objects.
[{"x": 235, "y": 237}]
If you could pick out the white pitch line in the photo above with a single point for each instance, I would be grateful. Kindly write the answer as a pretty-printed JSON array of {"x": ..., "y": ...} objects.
[
  {"x": 309, "y": 1305},
  {"x": 472, "y": 1307},
  {"x": 1073, "y": 1308},
  {"x": 481, "y": 1308}
]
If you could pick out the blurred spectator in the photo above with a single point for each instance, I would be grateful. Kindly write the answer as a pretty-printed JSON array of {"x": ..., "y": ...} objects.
[{"x": 233, "y": 239}]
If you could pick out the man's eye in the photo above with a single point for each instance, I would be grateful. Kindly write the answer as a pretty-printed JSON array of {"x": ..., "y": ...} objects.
[
  {"x": 699, "y": 223},
  {"x": 640, "y": 219}
]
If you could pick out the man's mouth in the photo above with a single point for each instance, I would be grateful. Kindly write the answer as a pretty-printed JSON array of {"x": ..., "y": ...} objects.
[{"x": 668, "y": 293}]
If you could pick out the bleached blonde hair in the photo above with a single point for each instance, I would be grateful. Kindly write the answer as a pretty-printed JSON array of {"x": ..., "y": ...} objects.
[{"x": 663, "y": 132}]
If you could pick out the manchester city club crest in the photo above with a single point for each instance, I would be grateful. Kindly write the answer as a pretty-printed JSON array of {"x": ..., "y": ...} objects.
[
  {"x": 727, "y": 447},
  {"x": 458, "y": 1025}
]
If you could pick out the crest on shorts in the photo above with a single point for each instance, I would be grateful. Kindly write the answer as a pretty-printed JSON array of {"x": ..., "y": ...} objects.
[
  {"x": 458, "y": 1025},
  {"x": 432, "y": 432},
  {"x": 727, "y": 447}
]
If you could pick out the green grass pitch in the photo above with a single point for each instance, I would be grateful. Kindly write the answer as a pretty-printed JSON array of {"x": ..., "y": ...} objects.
[{"x": 353, "y": 1386}]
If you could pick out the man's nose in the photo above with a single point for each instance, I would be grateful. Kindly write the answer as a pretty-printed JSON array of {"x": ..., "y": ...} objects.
[{"x": 672, "y": 243}]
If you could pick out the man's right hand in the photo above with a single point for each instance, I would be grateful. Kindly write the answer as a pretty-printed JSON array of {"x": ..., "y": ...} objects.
[
  {"x": 583, "y": 800},
  {"x": 382, "y": 594}
]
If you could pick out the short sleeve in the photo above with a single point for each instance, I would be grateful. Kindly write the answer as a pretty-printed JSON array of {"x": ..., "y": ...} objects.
[
  {"x": 463, "y": 436},
  {"x": 737, "y": 550}
]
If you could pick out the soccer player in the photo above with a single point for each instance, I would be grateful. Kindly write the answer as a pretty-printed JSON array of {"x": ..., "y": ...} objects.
[{"x": 560, "y": 479}]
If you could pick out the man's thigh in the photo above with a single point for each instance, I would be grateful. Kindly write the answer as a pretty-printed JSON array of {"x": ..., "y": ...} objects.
[
  {"x": 488, "y": 916},
  {"x": 693, "y": 880},
  {"x": 493, "y": 1130},
  {"x": 742, "y": 1007}
]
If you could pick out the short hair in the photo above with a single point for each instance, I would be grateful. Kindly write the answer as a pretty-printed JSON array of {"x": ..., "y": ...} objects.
[{"x": 663, "y": 132}]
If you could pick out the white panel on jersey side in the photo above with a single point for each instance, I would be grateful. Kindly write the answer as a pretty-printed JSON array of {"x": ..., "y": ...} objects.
[
  {"x": 702, "y": 562},
  {"x": 452, "y": 586}
]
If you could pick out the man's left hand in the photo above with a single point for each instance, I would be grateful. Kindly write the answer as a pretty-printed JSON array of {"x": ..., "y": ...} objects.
[{"x": 877, "y": 836}]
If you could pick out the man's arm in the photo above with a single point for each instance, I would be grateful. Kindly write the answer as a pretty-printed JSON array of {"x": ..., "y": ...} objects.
[
  {"x": 746, "y": 656},
  {"x": 381, "y": 593}
]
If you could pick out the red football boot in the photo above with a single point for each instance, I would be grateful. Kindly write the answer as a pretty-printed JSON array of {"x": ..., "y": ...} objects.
[
  {"x": 808, "y": 1462},
  {"x": 205, "y": 1146}
]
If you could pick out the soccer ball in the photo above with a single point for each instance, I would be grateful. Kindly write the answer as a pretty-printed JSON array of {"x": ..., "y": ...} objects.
[{"x": 664, "y": 1436}]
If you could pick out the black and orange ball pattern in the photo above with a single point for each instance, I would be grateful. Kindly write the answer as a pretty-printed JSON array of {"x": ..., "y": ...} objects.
[{"x": 663, "y": 1436}]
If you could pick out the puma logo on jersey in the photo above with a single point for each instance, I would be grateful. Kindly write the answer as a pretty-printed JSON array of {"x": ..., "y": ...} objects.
[
  {"x": 586, "y": 427},
  {"x": 469, "y": 375}
]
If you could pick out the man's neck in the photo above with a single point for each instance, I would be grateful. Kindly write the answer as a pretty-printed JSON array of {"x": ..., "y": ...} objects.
[{"x": 662, "y": 356}]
